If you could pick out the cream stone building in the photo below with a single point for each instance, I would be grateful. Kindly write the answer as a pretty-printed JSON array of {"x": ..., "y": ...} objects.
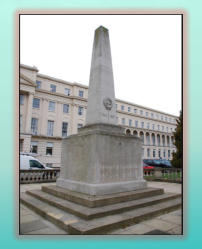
[{"x": 51, "y": 109}]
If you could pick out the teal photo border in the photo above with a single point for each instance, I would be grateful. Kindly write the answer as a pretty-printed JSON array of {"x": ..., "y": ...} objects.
[{"x": 9, "y": 237}]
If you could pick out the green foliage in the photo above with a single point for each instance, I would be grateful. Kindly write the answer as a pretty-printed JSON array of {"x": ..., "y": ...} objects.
[{"x": 178, "y": 142}]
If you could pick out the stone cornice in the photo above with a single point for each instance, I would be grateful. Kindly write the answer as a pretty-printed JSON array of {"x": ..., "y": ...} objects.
[
  {"x": 28, "y": 81},
  {"x": 29, "y": 67}
]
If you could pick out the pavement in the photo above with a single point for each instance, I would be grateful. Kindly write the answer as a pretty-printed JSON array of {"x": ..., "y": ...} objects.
[{"x": 170, "y": 223}]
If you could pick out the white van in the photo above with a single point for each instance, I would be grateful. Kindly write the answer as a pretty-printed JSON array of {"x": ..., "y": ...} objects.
[{"x": 29, "y": 162}]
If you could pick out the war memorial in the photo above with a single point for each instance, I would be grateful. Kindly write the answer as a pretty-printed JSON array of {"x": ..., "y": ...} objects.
[{"x": 101, "y": 180}]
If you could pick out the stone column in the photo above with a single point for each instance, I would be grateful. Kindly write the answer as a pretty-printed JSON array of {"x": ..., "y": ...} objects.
[{"x": 29, "y": 113}]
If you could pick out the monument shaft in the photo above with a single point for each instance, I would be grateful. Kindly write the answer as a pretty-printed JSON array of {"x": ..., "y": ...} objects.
[{"x": 101, "y": 98}]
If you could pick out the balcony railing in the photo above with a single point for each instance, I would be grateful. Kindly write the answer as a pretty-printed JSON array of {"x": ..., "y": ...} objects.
[
  {"x": 169, "y": 175},
  {"x": 39, "y": 176}
]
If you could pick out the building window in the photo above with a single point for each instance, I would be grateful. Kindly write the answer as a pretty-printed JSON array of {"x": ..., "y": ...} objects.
[
  {"x": 143, "y": 152},
  {"x": 159, "y": 153},
  {"x": 50, "y": 128},
  {"x": 158, "y": 127},
  {"x": 49, "y": 149},
  {"x": 81, "y": 93},
  {"x": 166, "y": 119},
  {"x": 34, "y": 126},
  {"x": 123, "y": 121},
  {"x": 38, "y": 84},
  {"x": 80, "y": 110},
  {"x": 154, "y": 153},
  {"x": 148, "y": 125},
  {"x": 142, "y": 124},
  {"x": 153, "y": 126},
  {"x": 162, "y": 128},
  {"x": 135, "y": 111},
  {"x": 162, "y": 118},
  {"x": 79, "y": 126},
  {"x": 170, "y": 120},
  {"x": 164, "y": 154},
  {"x": 36, "y": 103},
  {"x": 171, "y": 129},
  {"x": 33, "y": 147},
  {"x": 122, "y": 108},
  {"x": 128, "y": 109},
  {"x": 152, "y": 115},
  {"x": 66, "y": 108},
  {"x": 64, "y": 129},
  {"x": 67, "y": 91},
  {"x": 21, "y": 145},
  {"x": 51, "y": 106},
  {"x": 148, "y": 152},
  {"x": 141, "y": 112},
  {"x": 146, "y": 114},
  {"x": 136, "y": 123},
  {"x": 130, "y": 122},
  {"x": 168, "y": 153},
  {"x": 167, "y": 129},
  {"x": 20, "y": 122},
  {"x": 21, "y": 99},
  {"x": 53, "y": 88}
]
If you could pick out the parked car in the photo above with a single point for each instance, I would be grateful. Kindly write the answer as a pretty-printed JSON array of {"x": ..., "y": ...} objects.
[
  {"x": 147, "y": 166},
  {"x": 29, "y": 162},
  {"x": 163, "y": 163}
]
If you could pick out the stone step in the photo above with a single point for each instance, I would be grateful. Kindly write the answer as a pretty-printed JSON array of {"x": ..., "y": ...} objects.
[
  {"x": 98, "y": 201},
  {"x": 90, "y": 213},
  {"x": 56, "y": 216},
  {"x": 75, "y": 225},
  {"x": 111, "y": 222}
]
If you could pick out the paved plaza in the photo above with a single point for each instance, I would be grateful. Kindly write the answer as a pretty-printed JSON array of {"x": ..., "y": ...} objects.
[{"x": 170, "y": 223}]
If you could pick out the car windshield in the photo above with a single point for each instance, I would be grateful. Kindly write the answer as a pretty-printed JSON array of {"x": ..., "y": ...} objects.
[
  {"x": 35, "y": 164},
  {"x": 157, "y": 162}
]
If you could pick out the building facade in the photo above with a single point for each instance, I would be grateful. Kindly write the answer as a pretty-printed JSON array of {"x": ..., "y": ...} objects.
[{"x": 51, "y": 109}]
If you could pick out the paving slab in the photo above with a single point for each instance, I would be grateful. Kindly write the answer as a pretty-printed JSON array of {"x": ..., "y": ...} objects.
[
  {"x": 31, "y": 226},
  {"x": 159, "y": 224},
  {"x": 171, "y": 218},
  {"x": 176, "y": 230}
]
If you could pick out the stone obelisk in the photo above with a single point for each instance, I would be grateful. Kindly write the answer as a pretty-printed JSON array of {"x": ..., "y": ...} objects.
[
  {"x": 101, "y": 159},
  {"x": 101, "y": 97}
]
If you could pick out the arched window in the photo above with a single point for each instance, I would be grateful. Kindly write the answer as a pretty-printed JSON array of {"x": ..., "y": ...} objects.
[
  {"x": 147, "y": 139},
  {"x": 163, "y": 140},
  {"x": 142, "y": 136},
  {"x": 153, "y": 139},
  {"x": 128, "y": 132},
  {"x": 168, "y": 141},
  {"x": 158, "y": 140},
  {"x": 135, "y": 133}
]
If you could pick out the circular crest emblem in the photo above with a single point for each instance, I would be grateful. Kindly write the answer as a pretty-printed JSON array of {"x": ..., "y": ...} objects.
[{"x": 107, "y": 102}]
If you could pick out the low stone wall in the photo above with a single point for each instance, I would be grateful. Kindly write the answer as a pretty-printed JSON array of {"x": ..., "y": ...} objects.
[{"x": 38, "y": 176}]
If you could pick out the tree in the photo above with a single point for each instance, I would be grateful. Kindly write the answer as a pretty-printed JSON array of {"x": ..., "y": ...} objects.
[{"x": 177, "y": 160}]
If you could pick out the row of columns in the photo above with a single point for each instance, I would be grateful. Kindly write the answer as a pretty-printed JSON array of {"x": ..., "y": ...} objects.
[{"x": 151, "y": 138}]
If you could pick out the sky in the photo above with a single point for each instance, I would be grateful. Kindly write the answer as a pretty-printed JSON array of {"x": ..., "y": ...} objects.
[{"x": 146, "y": 53}]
